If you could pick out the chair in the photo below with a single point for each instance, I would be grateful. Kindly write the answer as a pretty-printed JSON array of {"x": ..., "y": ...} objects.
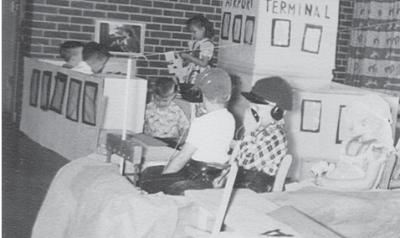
[
  {"x": 280, "y": 176},
  {"x": 385, "y": 179}
]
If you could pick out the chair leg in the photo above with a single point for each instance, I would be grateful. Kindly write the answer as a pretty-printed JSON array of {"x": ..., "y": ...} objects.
[{"x": 122, "y": 166}]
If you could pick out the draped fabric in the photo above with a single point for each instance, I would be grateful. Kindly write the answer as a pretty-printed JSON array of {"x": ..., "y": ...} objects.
[{"x": 374, "y": 53}]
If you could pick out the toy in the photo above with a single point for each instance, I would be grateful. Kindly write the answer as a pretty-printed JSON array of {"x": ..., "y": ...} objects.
[{"x": 176, "y": 66}]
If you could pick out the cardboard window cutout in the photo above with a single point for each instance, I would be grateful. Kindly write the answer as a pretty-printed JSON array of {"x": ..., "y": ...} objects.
[
  {"x": 35, "y": 78},
  {"x": 281, "y": 31},
  {"x": 226, "y": 25},
  {"x": 249, "y": 30},
  {"x": 89, "y": 103},
  {"x": 311, "y": 115},
  {"x": 57, "y": 99},
  {"x": 340, "y": 126},
  {"x": 45, "y": 90},
  {"x": 312, "y": 39},
  {"x": 74, "y": 98},
  {"x": 237, "y": 29}
]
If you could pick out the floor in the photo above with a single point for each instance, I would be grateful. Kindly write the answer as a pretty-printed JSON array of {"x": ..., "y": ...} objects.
[{"x": 28, "y": 169}]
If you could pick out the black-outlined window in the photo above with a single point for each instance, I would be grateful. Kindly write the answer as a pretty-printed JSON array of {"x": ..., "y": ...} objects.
[
  {"x": 57, "y": 99},
  {"x": 45, "y": 90},
  {"x": 281, "y": 32},
  {"x": 34, "y": 87},
  {"x": 249, "y": 30},
  {"x": 226, "y": 25},
  {"x": 311, "y": 38},
  {"x": 74, "y": 98},
  {"x": 340, "y": 125},
  {"x": 311, "y": 115},
  {"x": 89, "y": 103},
  {"x": 237, "y": 29}
]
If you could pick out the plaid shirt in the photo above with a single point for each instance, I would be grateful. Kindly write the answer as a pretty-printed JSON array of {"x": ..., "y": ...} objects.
[{"x": 264, "y": 149}]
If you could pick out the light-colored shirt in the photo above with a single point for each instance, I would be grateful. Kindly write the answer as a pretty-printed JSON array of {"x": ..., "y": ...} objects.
[
  {"x": 200, "y": 49},
  {"x": 212, "y": 134},
  {"x": 170, "y": 122},
  {"x": 83, "y": 67}
]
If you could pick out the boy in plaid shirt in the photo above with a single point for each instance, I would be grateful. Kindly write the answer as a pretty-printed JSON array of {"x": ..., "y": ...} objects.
[{"x": 264, "y": 144}]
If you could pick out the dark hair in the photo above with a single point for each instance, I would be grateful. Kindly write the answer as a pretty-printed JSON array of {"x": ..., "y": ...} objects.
[
  {"x": 66, "y": 46},
  {"x": 164, "y": 85},
  {"x": 94, "y": 49},
  {"x": 202, "y": 21}
]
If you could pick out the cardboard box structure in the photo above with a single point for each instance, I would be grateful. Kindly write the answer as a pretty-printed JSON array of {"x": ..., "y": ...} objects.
[
  {"x": 65, "y": 110},
  {"x": 296, "y": 40},
  {"x": 315, "y": 125}
]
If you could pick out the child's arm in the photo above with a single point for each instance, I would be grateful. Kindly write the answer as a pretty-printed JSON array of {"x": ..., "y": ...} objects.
[
  {"x": 177, "y": 162},
  {"x": 365, "y": 183},
  {"x": 203, "y": 61}
]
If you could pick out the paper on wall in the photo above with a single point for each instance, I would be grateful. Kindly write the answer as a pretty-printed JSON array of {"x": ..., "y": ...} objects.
[
  {"x": 114, "y": 90},
  {"x": 281, "y": 33},
  {"x": 312, "y": 38}
]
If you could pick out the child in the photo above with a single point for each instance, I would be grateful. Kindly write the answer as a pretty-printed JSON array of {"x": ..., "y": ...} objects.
[
  {"x": 95, "y": 57},
  {"x": 201, "y": 49},
  {"x": 71, "y": 53},
  {"x": 206, "y": 149},
  {"x": 163, "y": 118},
  {"x": 370, "y": 143},
  {"x": 265, "y": 143}
]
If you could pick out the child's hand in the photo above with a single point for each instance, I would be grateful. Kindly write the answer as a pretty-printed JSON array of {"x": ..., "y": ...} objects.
[{"x": 185, "y": 55}]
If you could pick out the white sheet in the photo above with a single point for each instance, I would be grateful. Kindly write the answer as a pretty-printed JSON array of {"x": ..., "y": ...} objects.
[
  {"x": 88, "y": 198},
  {"x": 352, "y": 214}
]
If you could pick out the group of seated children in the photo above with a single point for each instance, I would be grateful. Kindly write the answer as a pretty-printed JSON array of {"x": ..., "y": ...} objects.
[
  {"x": 204, "y": 154},
  {"x": 89, "y": 58},
  {"x": 207, "y": 139}
]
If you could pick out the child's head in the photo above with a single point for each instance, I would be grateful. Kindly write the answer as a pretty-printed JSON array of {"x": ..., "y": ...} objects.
[
  {"x": 71, "y": 52},
  {"x": 96, "y": 56},
  {"x": 200, "y": 27},
  {"x": 370, "y": 117},
  {"x": 215, "y": 85},
  {"x": 269, "y": 99},
  {"x": 164, "y": 92}
]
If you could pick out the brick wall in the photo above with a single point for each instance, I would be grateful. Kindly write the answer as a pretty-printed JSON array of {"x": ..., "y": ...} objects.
[
  {"x": 343, "y": 38},
  {"x": 50, "y": 22}
]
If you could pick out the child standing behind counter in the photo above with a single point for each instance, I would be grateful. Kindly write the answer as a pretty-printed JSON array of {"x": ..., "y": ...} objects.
[{"x": 201, "y": 48}]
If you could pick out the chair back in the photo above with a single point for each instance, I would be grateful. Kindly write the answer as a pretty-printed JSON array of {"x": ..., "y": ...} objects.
[
  {"x": 280, "y": 176},
  {"x": 386, "y": 172}
]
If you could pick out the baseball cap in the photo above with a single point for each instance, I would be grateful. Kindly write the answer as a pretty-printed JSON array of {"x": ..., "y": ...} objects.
[
  {"x": 215, "y": 84},
  {"x": 271, "y": 90}
]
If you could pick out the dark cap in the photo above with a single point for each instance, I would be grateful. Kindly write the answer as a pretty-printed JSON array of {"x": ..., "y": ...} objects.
[
  {"x": 94, "y": 49},
  {"x": 271, "y": 90}
]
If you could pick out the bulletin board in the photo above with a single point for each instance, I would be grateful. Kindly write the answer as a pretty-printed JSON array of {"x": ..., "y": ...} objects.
[{"x": 61, "y": 109}]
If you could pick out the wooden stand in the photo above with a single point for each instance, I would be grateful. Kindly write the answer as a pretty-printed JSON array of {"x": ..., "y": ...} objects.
[{"x": 128, "y": 150}]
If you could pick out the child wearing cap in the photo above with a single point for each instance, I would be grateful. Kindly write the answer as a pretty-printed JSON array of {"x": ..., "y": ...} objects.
[
  {"x": 164, "y": 118},
  {"x": 206, "y": 149},
  {"x": 265, "y": 143}
]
